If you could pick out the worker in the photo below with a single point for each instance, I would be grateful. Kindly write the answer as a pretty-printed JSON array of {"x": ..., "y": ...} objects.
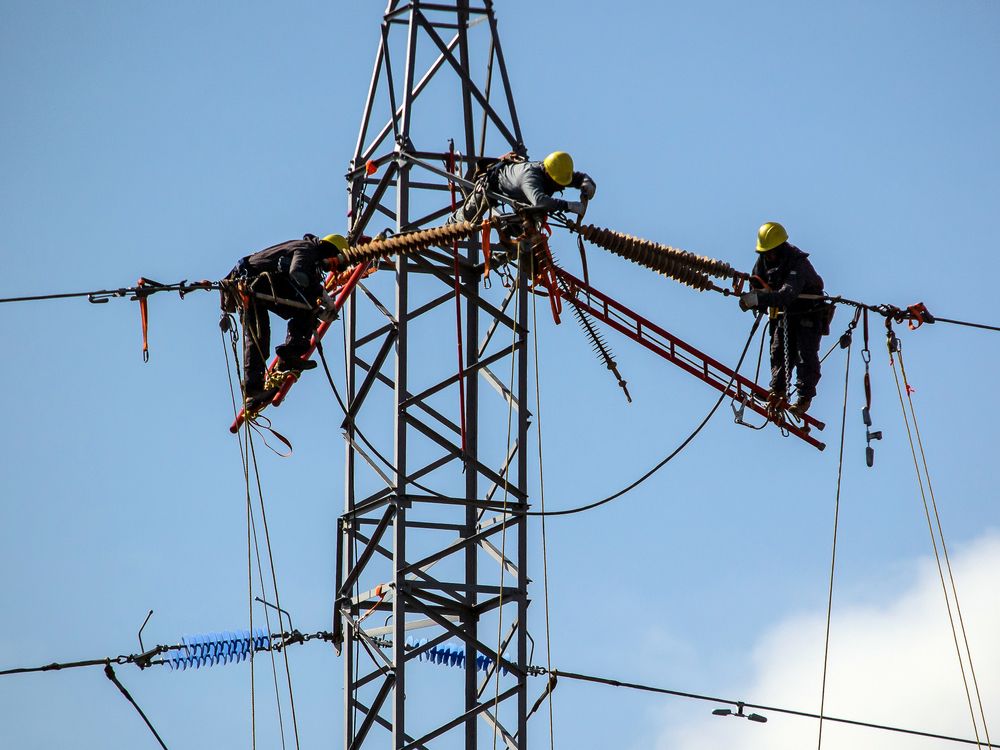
[
  {"x": 286, "y": 279},
  {"x": 530, "y": 183},
  {"x": 781, "y": 276}
]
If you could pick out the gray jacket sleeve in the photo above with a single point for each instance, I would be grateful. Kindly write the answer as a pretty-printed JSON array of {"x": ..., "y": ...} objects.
[{"x": 533, "y": 187}]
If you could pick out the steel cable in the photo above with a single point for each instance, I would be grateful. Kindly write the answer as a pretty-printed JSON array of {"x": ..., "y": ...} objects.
[
  {"x": 940, "y": 533},
  {"x": 760, "y": 707},
  {"x": 277, "y": 602},
  {"x": 109, "y": 672},
  {"x": 541, "y": 488},
  {"x": 833, "y": 555},
  {"x": 518, "y": 312},
  {"x": 252, "y": 533},
  {"x": 671, "y": 455}
]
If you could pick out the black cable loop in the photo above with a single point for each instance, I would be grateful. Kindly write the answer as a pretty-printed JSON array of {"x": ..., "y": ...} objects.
[
  {"x": 665, "y": 461},
  {"x": 357, "y": 431}
]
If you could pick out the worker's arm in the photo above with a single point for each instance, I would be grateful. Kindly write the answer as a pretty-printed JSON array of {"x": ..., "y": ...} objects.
[
  {"x": 303, "y": 270},
  {"x": 533, "y": 187},
  {"x": 585, "y": 183},
  {"x": 788, "y": 292}
]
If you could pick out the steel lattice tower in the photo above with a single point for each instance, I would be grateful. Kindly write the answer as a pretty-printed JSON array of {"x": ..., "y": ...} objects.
[{"x": 424, "y": 550}]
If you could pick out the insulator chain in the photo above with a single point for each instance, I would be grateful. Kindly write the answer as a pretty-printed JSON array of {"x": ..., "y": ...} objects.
[
  {"x": 681, "y": 265},
  {"x": 450, "y": 655},
  {"x": 412, "y": 242},
  {"x": 214, "y": 648}
]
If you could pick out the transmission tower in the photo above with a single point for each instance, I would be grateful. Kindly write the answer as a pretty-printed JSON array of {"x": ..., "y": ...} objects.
[{"x": 432, "y": 546}]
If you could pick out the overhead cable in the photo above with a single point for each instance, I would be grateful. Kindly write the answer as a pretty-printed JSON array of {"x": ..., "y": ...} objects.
[
  {"x": 760, "y": 707},
  {"x": 671, "y": 455},
  {"x": 109, "y": 672}
]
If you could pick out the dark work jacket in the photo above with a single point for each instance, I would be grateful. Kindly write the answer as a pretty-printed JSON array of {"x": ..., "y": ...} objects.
[
  {"x": 528, "y": 182},
  {"x": 791, "y": 276},
  {"x": 298, "y": 260}
]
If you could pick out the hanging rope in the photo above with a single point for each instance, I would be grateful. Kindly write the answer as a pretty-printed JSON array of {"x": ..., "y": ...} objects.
[
  {"x": 545, "y": 547},
  {"x": 248, "y": 454},
  {"x": 109, "y": 672},
  {"x": 895, "y": 348},
  {"x": 684, "y": 444},
  {"x": 518, "y": 312},
  {"x": 357, "y": 431},
  {"x": 277, "y": 601},
  {"x": 836, "y": 524}
]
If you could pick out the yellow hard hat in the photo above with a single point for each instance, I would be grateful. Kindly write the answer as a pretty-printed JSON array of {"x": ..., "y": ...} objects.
[
  {"x": 337, "y": 240},
  {"x": 770, "y": 235},
  {"x": 559, "y": 166}
]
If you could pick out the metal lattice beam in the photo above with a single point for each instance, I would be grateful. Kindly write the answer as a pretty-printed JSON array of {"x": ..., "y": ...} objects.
[{"x": 417, "y": 552}]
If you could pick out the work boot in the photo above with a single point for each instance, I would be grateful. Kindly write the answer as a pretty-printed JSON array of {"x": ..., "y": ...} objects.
[
  {"x": 295, "y": 364},
  {"x": 257, "y": 399},
  {"x": 800, "y": 407},
  {"x": 775, "y": 405}
]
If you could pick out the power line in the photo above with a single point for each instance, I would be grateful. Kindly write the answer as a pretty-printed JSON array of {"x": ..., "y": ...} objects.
[
  {"x": 144, "y": 289},
  {"x": 665, "y": 461},
  {"x": 109, "y": 672},
  {"x": 283, "y": 640},
  {"x": 760, "y": 707}
]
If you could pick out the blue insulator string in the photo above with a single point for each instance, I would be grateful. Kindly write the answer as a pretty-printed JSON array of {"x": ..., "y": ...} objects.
[
  {"x": 450, "y": 655},
  {"x": 214, "y": 648}
]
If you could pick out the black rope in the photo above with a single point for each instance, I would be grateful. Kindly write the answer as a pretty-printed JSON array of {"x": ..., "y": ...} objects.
[
  {"x": 277, "y": 601},
  {"x": 895, "y": 313},
  {"x": 966, "y": 323},
  {"x": 665, "y": 461},
  {"x": 354, "y": 426},
  {"x": 774, "y": 709},
  {"x": 109, "y": 672},
  {"x": 102, "y": 295},
  {"x": 836, "y": 527},
  {"x": 54, "y": 667}
]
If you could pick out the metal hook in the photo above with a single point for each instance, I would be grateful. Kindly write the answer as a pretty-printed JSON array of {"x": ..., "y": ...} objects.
[
  {"x": 141, "y": 647},
  {"x": 275, "y": 606}
]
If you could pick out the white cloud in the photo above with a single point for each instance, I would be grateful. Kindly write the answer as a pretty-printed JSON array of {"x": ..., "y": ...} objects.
[{"x": 892, "y": 663}]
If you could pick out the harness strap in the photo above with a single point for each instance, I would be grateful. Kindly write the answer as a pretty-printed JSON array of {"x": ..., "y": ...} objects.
[
  {"x": 144, "y": 318},
  {"x": 486, "y": 248},
  {"x": 920, "y": 314},
  {"x": 867, "y": 357}
]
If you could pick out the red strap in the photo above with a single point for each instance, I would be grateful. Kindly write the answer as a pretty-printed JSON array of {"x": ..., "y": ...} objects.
[
  {"x": 144, "y": 317},
  {"x": 486, "y": 248},
  {"x": 918, "y": 313}
]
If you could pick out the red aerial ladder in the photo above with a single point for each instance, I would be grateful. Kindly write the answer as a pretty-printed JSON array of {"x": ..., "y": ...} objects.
[{"x": 560, "y": 284}]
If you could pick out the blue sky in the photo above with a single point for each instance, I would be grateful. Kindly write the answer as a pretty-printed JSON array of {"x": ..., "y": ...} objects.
[{"x": 168, "y": 140}]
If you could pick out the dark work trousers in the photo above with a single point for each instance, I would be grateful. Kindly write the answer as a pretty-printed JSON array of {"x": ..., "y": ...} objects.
[
  {"x": 804, "y": 334},
  {"x": 257, "y": 331}
]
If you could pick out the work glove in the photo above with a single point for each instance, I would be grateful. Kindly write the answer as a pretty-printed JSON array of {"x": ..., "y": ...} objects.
[
  {"x": 327, "y": 308},
  {"x": 588, "y": 188},
  {"x": 748, "y": 301},
  {"x": 576, "y": 207}
]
